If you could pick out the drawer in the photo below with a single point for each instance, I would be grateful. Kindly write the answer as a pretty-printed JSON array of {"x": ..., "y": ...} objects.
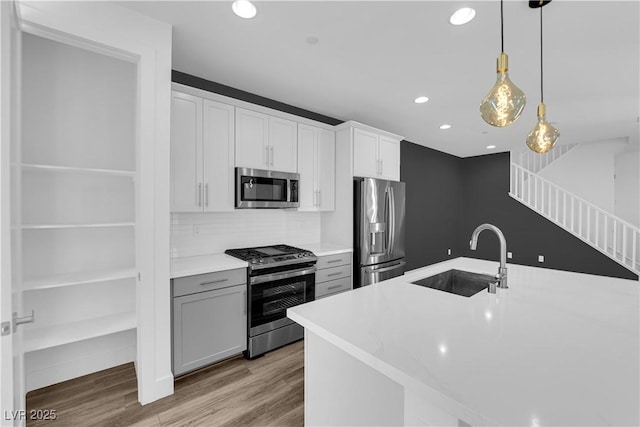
[
  {"x": 333, "y": 260},
  {"x": 333, "y": 287},
  {"x": 333, "y": 273},
  {"x": 209, "y": 281}
]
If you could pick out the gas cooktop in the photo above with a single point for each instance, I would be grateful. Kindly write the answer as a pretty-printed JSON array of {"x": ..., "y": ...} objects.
[{"x": 272, "y": 256}]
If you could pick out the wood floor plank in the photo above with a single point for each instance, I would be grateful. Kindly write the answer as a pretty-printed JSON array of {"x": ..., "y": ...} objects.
[{"x": 267, "y": 391}]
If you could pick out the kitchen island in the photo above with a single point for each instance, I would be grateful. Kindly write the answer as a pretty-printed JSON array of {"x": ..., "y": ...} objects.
[{"x": 556, "y": 348}]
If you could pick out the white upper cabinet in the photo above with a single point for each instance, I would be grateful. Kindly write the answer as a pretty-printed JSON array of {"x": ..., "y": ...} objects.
[
  {"x": 389, "y": 156},
  {"x": 316, "y": 166},
  {"x": 265, "y": 142},
  {"x": 218, "y": 156},
  {"x": 252, "y": 136},
  {"x": 375, "y": 155},
  {"x": 283, "y": 144},
  {"x": 202, "y": 137}
]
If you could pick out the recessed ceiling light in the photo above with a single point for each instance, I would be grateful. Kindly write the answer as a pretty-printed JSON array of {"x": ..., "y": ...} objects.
[
  {"x": 312, "y": 40},
  {"x": 421, "y": 99},
  {"x": 462, "y": 16},
  {"x": 490, "y": 147},
  {"x": 445, "y": 126},
  {"x": 244, "y": 9}
]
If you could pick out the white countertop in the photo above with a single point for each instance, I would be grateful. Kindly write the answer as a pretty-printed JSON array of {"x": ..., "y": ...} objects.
[
  {"x": 188, "y": 266},
  {"x": 324, "y": 249},
  {"x": 556, "y": 348}
]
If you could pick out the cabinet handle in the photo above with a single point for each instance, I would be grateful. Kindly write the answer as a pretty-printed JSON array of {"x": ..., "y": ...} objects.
[
  {"x": 334, "y": 274},
  {"x": 381, "y": 167},
  {"x": 333, "y": 261},
  {"x": 315, "y": 198},
  {"x": 213, "y": 282},
  {"x": 267, "y": 154},
  {"x": 319, "y": 198},
  {"x": 206, "y": 194},
  {"x": 199, "y": 194},
  {"x": 271, "y": 155},
  {"x": 334, "y": 287}
]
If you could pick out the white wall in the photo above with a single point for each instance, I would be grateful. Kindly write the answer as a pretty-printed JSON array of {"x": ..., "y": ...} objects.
[
  {"x": 198, "y": 233},
  {"x": 587, "y": 171},
  {"x": 627, "y": 187}
]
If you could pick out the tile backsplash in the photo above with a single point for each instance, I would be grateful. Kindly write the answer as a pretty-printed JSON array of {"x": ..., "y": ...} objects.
[{"x": 209, "y": 233}]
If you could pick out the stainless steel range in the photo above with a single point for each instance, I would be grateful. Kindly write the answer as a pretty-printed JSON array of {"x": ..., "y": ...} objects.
[{"x": 279, "y": 277}]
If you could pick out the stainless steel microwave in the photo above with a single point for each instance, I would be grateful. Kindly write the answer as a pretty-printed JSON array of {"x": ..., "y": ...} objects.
[{"x": 264, "y": 189}]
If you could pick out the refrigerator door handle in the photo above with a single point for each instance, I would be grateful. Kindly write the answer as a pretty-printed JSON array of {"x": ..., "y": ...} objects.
[
  {"x": 382, "y": 270},
  {"x": 388, "y": 209},
  {"x": 392, "y": 221}
]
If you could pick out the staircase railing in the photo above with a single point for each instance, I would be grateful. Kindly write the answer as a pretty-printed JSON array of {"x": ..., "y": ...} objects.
[
  {"x": 607, "y": 233},
  {"x": 535, "y": 162}
]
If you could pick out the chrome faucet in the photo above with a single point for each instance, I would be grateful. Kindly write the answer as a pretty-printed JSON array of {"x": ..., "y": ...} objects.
[{"x": 502, "y": 271}]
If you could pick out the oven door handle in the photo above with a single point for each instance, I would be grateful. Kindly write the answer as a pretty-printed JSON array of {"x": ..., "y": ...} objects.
[{"x": 281, "y": 275}]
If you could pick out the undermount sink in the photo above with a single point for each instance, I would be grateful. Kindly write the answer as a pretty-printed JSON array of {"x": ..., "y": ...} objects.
[{"x": 457, "y": 282}]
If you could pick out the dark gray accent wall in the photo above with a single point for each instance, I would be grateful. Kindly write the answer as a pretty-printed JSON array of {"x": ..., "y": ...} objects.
[
  {"x": 486, "y": 199},
  {"x": 209, "y": 86},
  {"x": 448, "y": 197},
  {"x": 434, "y": 188}
]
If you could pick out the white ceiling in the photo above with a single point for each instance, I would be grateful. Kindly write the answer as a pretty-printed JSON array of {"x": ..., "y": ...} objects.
[{"x": 373, "y": 58}]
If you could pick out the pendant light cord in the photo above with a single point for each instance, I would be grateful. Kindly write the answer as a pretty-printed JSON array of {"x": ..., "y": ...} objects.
[
  {"x": 541, "y": 69},
  {"x": 501, "y": 28}
]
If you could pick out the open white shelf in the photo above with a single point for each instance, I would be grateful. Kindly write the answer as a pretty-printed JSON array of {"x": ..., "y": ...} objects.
[
  {"x": 52, "y": 336},
  {"x": 53, "y": 168},
  {"x": 104, "y": 225},
  {"x": 83, "y": 278}
]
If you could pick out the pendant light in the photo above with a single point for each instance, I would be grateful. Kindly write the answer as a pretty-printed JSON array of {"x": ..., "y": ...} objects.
[
  {"x": 543, "y": 136},
  {"x": 505, "y": 101}
]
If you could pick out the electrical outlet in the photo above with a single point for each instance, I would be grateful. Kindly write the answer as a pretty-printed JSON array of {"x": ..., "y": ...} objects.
[
  {"x": 509, "y": 255},
  {"x": 540, "y": 258},
  {"x": 448, "y": 251}
]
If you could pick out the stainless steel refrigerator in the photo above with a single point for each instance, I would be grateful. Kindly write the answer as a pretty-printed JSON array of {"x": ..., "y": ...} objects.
[{"x": 378, "y": 230}]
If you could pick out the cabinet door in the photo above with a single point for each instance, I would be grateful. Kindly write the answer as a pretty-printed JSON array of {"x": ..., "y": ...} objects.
[
  {"x": 307, "y": 167},
  {"x": 365, "y": 153},
  {"x": 283, "y": 145},
  {"x": 389, "y": 155},
  {"x": 326, "y": 171},
  {"x": 208, "y": 326},
  {"x": 186, "y": 153},
  {"x": 252, "y": 133},
  {"x": 217, "y": 148}
]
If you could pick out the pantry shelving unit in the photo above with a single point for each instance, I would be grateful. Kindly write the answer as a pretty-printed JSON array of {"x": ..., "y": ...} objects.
[{"x": 75, "y": 225}]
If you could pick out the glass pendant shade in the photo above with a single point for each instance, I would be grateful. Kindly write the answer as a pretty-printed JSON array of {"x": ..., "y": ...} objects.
[
  {"x": 504, "y": 103},
  {"x": 543, "y": 136}
]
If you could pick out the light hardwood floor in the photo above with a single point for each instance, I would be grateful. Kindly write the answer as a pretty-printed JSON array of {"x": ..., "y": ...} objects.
[{"x": 268, "y": 391}]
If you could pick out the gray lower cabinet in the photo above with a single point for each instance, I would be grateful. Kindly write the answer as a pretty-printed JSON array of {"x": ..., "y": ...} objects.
[
  {"x": 209, "y": 325},
  {"x": 333, "y": 275}
]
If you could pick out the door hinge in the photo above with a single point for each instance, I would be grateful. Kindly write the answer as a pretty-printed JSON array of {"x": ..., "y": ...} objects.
[{"x": 5, "y": 328}]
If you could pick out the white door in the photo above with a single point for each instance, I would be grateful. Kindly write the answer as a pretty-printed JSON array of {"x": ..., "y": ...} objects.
[
  {"x": 283, "y": 145},
  {"x": 252, "y": 134},
  {"x": 326, "y": 169},
  {"x": 365, "y": 154},
  {"x": 12, "y": 388},
  {"x": 217, "y": 148},
  {"x": 389, "y": 155},
  {"x": 186, "y": 153},
  {"x": 307, "y": 167}
]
